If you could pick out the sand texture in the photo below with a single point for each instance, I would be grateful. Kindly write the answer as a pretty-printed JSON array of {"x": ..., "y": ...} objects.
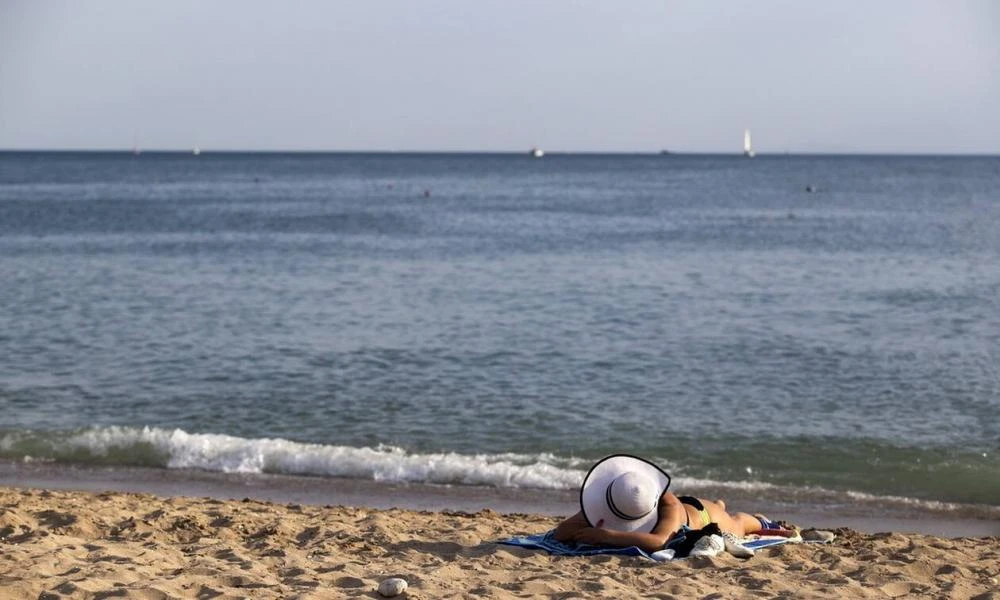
[{"x": 118, "y": 545}]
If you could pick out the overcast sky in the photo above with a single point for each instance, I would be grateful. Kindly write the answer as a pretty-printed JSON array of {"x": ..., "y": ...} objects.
[{"x": 586, "y": 75}]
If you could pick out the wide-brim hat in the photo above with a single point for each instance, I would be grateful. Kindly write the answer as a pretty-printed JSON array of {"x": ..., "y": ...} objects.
[{"x": 623, "y": 491}]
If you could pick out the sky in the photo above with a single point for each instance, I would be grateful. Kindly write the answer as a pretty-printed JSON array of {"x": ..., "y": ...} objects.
[{"x": 907, "y": 76}]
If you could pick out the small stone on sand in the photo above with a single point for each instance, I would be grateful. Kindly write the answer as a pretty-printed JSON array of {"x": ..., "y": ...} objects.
[{"x": 393, "y": 586}]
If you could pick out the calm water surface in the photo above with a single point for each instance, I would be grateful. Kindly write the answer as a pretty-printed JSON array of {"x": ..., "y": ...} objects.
[{"x": 498, "y": 320}]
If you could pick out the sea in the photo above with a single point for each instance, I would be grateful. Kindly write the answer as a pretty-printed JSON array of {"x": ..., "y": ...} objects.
[{"x": 817, "y": 330}]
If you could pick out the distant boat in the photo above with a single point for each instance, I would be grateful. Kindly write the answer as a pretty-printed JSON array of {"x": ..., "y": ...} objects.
[
  {"x": 537, "y": 152},
  {"x": 665, "y": 152},
  {"x": 196, "y": 151},
  {"x": 747, "y": 146}
]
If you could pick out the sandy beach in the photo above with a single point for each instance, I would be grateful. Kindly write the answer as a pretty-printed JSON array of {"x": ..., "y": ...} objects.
[{"x": 71, "y": 544}]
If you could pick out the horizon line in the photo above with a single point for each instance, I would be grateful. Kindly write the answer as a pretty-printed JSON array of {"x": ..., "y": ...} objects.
[{"x": 665, "y": 153}]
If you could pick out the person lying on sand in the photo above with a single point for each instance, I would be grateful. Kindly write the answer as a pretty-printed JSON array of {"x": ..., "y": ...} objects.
[{"x": 624, "y": 502}]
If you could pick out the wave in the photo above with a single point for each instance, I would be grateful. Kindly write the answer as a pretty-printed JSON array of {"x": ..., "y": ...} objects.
[{"x": 178, "y": 449}]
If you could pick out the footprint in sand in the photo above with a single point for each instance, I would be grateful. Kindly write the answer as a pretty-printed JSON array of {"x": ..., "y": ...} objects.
[{"x": 52, "y": 519}]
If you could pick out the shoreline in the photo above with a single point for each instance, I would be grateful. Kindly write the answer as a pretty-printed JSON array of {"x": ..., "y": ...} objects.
[{"x": 326, "y": 491}]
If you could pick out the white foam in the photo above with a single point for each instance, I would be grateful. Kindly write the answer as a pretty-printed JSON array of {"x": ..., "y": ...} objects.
[
  {"x": 231, "y": 454},
  {"x": 178, "y": 449},
  {"x": 863, "y": 497}
]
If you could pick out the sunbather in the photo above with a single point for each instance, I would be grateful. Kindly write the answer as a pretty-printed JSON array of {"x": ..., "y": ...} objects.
[{"x": 624, "y": 502}]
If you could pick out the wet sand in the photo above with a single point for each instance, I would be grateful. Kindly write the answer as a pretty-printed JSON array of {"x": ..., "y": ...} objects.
[{"x": 352, "y": 492}]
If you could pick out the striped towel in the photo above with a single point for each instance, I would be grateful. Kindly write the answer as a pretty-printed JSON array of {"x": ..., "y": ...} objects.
[{"x": 546, "y": 541}]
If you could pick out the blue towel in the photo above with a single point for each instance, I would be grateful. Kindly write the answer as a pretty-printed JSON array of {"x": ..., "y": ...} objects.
[{"x": 546, "y": 541}]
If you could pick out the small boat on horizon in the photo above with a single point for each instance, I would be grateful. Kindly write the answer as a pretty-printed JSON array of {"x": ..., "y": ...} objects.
[
  {"x": 747, "y": 146},
  {"x": 536, "y": 152}
]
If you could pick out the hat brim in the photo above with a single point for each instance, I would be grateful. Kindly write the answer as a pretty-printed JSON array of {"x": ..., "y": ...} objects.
[{"x": 593, "y": 501}]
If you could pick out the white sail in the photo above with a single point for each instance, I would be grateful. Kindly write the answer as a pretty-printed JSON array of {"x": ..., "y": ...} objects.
[{"x": 747, "y": 147}]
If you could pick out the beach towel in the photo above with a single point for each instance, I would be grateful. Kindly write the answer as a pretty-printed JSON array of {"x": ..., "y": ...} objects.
[{"x": 546, "y": 541}]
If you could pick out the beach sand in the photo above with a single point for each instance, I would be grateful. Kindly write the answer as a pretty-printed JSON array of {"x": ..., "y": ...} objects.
[{"x": 74, "y": 544}]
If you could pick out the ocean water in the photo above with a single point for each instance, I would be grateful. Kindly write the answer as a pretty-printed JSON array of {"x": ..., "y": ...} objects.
[{"x": 494, "y": 320}]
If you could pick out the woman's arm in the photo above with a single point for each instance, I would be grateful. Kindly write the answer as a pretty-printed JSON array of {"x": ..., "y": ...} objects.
[
  {"x": 568, "y": 528},
  {"x": 599, "y": 536},
  {"x": 671, "y": 517}
]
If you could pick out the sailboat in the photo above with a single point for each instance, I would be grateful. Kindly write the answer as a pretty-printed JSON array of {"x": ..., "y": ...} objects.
[
  {"x": 747, "y": 147},
  {"x": 536, "y": 152}
]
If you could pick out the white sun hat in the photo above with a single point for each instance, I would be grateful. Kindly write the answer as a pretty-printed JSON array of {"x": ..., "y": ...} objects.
[{"x": 623, "y": 491}]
